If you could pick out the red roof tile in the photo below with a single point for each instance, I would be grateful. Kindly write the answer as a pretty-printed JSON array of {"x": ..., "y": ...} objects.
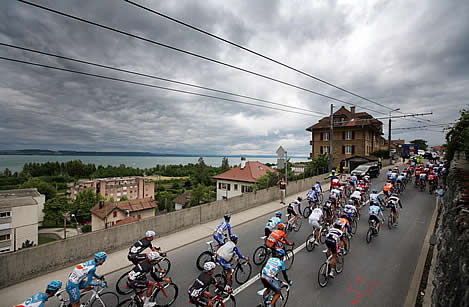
[
  {"x": 127, "y": 205},
  {"x": 349, "y": 120},
  {"x": 253, "y": 171},
  {"x": 127, "y": 220}
]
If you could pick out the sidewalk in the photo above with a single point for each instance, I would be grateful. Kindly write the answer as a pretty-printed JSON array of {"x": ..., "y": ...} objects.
[{"x": 118, "y": 260}]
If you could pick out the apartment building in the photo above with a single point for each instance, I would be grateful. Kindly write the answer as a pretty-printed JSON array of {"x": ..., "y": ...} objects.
[
  {"x": 115, "y": 188},
  {"x": 20, "y": 211},
  {"x": 355, "y": 136}
]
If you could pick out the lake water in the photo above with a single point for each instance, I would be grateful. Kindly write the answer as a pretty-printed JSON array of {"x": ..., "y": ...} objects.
[{"x": 15, "y": 162}]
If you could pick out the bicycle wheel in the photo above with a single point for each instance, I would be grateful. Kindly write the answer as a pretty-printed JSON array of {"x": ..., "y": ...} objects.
[
  {"x": 220, "y": 279},
  {"x": 243, "y": 272},
  {"x": 299, "y": 222},
  {"x": 165, "y": 265},
  {"x": 204, "y": 257},
  {"x": 354, "y": 226},
  {"x": 164, "y": 296},
  {"x": 323, "y": 234},
  {"x": 321, "y": 198},
  {"x": 390, "y": 222},
  {"x": 105, "y": 299},
  {"x": 369, "y": 235},
  {"x": 323, "y": 277},
  {"x": 121, "y": 285},
  {"x": 129, "y": 303},
  {"x": 260, "y": 255},
  {"x": 283, "y": 298},
  {"x": 339, "y": 263},
  {"x": 307, "y": 212},
  {"x": 230, "y": 302},
  {"x": 310, "y": 241},
  {"x": 289, "y": 258},
  {"x": 349, "y": 246}
]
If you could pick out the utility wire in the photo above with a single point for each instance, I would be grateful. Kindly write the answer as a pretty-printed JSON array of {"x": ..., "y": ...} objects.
[
  {"x": 155, "y": 77},
  {"x": 193, "y": 54},
  {"x": 421, "y": 127},
  {"x": 256, "y": 53},
  {"x": 150, "y": 85}
]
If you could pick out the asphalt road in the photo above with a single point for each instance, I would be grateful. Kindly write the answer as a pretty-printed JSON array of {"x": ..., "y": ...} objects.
[{"x": 386, "y": 264}]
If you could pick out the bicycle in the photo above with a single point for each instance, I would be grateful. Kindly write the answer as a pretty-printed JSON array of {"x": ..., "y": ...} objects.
[
  {"x": 372, "y": 231},
  {"x": 97, "y": 298},
  {"x": 423, "y": 186},
  {"x": 283, "y": 298},
  {"x": 291, "y": 225},
  {"x": 241, "y": 272},
  {"x": 263, "y": 253},
  {"x": 312, "y": 237},
  {"x": 163, "y": 264},
  {"x": 221, "y": 299},
  {"x": 326, "y": 267},
  {"x": 311, "y": 205},
  {"x": 208, "y": 255},
  {"x": 162, "y": 294}
]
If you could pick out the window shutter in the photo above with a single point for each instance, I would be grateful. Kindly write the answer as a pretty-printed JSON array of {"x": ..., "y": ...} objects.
[
  {"x": 322, "y": 137},
  {"x": 343, "y": 149},
  {"x": 343, "y": 135},
  {"x": 321, "y": 147},
  {"x": 353, "y": 135},
  {"x": 353, "y": 149}
]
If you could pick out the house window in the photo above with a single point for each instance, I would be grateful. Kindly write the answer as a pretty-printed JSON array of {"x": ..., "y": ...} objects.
[
  {"x": 348, "y": 150},
  {"x": 348, "y": 135},
  {"x": 5, "y": 237},
  {"x": 228, "y": 187},
  {"x": 114, "y": 214},
  {"x": 236, "y": 187},
  {"x": 6, "y": 249},
  {"x": 5, "y": 214},
  {"x": 219, "y": 186},
  {"x": 325, "y": 136},
  {"x": 324, "y": 150},
  {"x": 247, "y": 189}
]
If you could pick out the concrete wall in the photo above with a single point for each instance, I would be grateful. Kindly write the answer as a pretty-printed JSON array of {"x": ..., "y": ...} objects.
[{"x": 34, "y": 261}]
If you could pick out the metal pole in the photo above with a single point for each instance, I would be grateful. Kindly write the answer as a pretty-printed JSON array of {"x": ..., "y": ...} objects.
[
  {"x": 65, "y": 227},
  {"x": 389, "y": 136},
  {"x": 331, "y": 156},
  {"x": 286, "y": 168}
]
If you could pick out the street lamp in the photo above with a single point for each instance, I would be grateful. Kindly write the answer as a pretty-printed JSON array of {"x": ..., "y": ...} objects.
[{"x": 389, "y": 134}]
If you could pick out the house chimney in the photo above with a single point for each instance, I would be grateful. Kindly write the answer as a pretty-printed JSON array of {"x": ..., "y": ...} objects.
[
  {"x": 101, "y": 204},
  {"x": 243, "y": 162},
  {"x": 352, "y": 109}
]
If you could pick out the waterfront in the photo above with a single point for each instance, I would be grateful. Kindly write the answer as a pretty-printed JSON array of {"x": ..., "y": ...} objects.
[{"x": 15, "y": 162}]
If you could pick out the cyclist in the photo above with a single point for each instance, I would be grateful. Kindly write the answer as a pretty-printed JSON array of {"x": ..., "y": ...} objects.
[
  {"x": 356, "y": 197},
  {"x": 82, "y": 278},
  {"x": 388, "y": 174},
  {"x": 344, "y": 226},
  {"x": 332, "y": 176},
  {"x": 336, "y": 194},
  {"x": 220, "y": 231},
  {"x": 293, "y": 209},
  {"x": 277, "y": 238},
  {"x": 137, "y": 278},
  {"x": 400, "y": 180},
  {"x": 353, "y": 182},
  {"x": 318, "y": 186},
  {"x": 423, "y": 178},
  {"x": 393, "y": 202},
  {"x": 375, "y": 196},
  {"x": 225, "y": 255},
  {"x": 349, "y": 211},
  {"x": 269, "y": 273},
  {"x": 332, "y": 243},
  {"x": 313, "y": 195},
  {"x": 198, "y": 292},
  {"x": 328, "y": 209},
  {"x": 387, "y": 189},
  {"x": 374, "y": 211},
  {"x": 135, "y": 252},
  {"x": 272, "y": 223},
  {"x": 38, "y": 299},
  {"x": 314, "y": 219}
]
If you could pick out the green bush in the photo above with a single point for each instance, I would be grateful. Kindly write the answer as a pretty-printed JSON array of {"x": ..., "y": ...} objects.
[{"x": 86, "y": 228}]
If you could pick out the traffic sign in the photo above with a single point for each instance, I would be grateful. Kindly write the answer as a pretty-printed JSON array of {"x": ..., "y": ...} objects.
[{"x": 281, "y": 152}]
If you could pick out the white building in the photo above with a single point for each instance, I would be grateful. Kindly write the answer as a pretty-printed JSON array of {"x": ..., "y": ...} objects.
[
  {"x": 20, "y": 211},
  {"x": 238, "y": 180}
]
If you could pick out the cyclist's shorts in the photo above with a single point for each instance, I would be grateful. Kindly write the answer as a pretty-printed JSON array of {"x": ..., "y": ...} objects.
[
  {"x": 332, "y": 244},
  {"x": 393, "y": 208},
  {"x": 219, "y": 238},
  {"x": 291, "y": 211},
  {"x": 373, "y": 217},
  {"x": 136, "y": 258},
  {"x": 138, "y": 283},
  {"x": 225, "y": 264},
  {"x": 270, "y": 283},
  {"x": 348, "y": 216},
  {"x": 315, "y": 224},
  {"x": 387, "y": 193},
  {"x": 73, "y": 290},
  {"x": 198, "y": 300}
]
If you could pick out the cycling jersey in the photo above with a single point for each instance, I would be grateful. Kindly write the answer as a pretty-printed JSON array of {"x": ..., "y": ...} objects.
[
  {"x": 294, "y": 205},
  {"x": 387, "y": 187},
  {"x": 37, "y": 300},
  {"x": 312, "y": 195},
  {"x": 82, "y": 271},
  {"x": 400, "y": 178},
  {"x": 276, "y": 236},
  {"x": 388, "y": 174},
  {"x": 140, "y": 246},
  {"x": 272, "y": 267},
  {"x": 315, "y": 216},
  {"x": 344, "y": 224},
  {"x": 227, "y": 251},
  {"x": 335, "y": 192},
  {"x": 423, "y": 176},
  {"x": 222, "y": 227},
  {"x": 201, "y": 284},
  {"x": 353, "y": 179},
  {"x": 356, "y": 195},
  {"x": 374, "y": 210},
  {"x": 335, "y": 183},
  {"x": 318, "y": 187},
  {"x": 350, "y": 209},
  {"x": 374, "y": 197},
  {"x": 273, "y": 222},
  {"x": 140, "y": 271},
  {"x": 395, "y": 201},
  {"x": 334, "y": 234}
]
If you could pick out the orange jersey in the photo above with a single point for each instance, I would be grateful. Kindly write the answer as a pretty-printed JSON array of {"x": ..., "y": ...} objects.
[
  {"x": 276, "y": 236},
  {"x": 387, "y": 186}
]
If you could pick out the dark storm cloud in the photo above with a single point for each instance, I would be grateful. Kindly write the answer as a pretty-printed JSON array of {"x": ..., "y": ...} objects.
[{"x": 408, "y": 55}]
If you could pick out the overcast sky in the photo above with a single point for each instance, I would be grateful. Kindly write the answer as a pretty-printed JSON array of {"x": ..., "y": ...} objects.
[{"x": 412, "y": 55}]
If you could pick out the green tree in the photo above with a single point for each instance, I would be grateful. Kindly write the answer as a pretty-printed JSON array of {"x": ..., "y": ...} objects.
[
  {"x": 123, "y": 198},
  {"x": 422, "y": 144},
  {"x": 224, "y": 165},
  {"x": 382, "y": 153},
  {"x": 270, "y": 179},
  {"x": 82, "y": 205},
  {"x": 197, "y": 194},
  {"x": 458, "y": 137},
  {"x": 43, "y": 187},
  {"x": 54, "y": 209}
]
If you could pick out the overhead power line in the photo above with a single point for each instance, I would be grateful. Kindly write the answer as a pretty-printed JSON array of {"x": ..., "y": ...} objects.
[
  {"x": 150, "y": 85},
  {"x": 426, "y": 126},
  {"x": 193, "y": 54},
  {"x": 257, "y": 54},
  {"x": 156, "y": 77}
]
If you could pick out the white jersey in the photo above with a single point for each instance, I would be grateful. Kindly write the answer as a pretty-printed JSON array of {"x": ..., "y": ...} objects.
[
  {"x": 350, "y": 209},
  {"x": 226, "y": 252},
  {"x": 374, "y": 197},
  {"x": 395, "y": 200},
  {"x": 335, "y": 192},
  {"x": 294, "y": 204},
  {"x": 81, "y": 271},
  {"x": 315, "y": 216},
  {"x": 356, "y": 195}
]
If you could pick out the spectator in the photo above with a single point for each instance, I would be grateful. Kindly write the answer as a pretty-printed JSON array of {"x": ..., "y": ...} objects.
[
  {"x": 439, "y": 193},
  {"x": 283, "y": 189}
]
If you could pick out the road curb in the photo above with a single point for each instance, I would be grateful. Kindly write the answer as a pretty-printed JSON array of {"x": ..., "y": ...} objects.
[{"x": 417, "y": 277}]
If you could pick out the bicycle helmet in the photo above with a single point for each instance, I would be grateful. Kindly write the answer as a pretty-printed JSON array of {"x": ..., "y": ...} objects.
[
  {"x": 374, "y": 191},
  {"x": 153, "y": 256},
  {"x": 227, "y": 216},
  {"x": 150, "y": 233},
  {"x": 313, "y": 188},
  {"x": 234, "y": 238},
  {"x": 279, "y": 252},
  {"x": 337, "y": 225},
  {"x": 100, "y": 256},
  {"x": 317, "y": 182},
  {"x": 278, "y": 214},
  {"x": 54, "y": 286},
  {"x": 299, "y": 198},
  {"x": 208, "y": 266},
  {"x": 281, "y": 226}
]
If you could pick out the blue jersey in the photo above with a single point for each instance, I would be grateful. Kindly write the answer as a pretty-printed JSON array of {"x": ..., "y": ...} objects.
[
  {"x": 312, "y": 195},
  {"x": 85, "y": 271},
  {"x": 318, "y": 187},
  {"x": 374, "y": 210},
  {"x": 37, "y": 300},
  {"x": 273, "y": 222},
  {"x": 273, "y": 266},
  {"x": 222, "y": 227}
]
